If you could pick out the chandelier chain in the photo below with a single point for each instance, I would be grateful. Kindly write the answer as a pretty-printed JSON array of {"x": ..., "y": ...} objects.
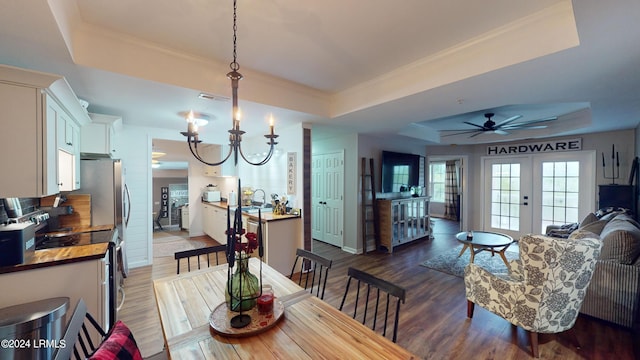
[{"x": 234, "y": 65}]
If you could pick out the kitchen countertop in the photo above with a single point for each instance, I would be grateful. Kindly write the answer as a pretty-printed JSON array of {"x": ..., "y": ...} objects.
[
  {"x": 265, "y": 216},
  {"x": 64, "y": 255}
]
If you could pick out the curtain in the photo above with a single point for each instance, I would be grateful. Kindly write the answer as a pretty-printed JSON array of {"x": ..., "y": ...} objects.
[{"x": 451, "y": 191}]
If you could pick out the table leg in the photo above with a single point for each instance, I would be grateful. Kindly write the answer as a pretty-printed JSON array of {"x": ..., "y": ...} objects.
[
  {"x": 473, "y": 253},
  {"x": 464, "y": 247},
  {"x": 504, "y": 258}
]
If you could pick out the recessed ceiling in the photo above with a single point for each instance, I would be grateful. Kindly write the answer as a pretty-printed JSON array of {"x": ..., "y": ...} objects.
[{"x": 372, "y": 67}]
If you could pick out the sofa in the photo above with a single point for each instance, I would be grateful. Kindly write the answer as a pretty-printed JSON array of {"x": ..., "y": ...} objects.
[{"x": 614, "y": 292}]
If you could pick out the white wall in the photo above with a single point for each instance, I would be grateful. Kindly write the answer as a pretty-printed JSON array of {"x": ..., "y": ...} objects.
[{"x": 600, "y": 142}]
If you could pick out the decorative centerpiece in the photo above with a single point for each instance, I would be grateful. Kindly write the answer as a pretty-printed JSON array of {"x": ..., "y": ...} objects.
[{"x": 243, "y": 288}]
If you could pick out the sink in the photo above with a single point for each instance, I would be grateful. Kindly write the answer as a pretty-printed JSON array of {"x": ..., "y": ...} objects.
[{"x": 254, "y": 209}]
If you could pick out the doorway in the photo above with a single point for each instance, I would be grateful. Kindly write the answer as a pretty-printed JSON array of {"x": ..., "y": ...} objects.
[
  {"x": 447, "y": 187},
  {"x": 525, "y": 194}
]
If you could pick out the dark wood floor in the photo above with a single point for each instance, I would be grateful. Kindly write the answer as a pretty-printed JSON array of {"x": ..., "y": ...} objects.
[{"x": 433, "y": 322}]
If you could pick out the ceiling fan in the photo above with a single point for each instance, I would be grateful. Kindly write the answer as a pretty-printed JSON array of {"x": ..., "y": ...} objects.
[{"x": 501, "y": 128}]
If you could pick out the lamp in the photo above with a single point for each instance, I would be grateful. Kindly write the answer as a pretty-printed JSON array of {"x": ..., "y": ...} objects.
[{"x": 235, "y": 134}]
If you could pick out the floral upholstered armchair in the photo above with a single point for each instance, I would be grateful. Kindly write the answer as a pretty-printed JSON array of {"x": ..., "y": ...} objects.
[{"x": 544, "y": 289}]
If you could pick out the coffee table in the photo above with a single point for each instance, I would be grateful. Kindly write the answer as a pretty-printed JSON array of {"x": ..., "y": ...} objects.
[{"x": 485, "y": 241}]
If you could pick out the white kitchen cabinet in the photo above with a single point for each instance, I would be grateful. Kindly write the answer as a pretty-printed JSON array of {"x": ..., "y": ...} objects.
[
  {"x": 214, "y": 153},
  {"x": 214, "y": 222},
  {"x": 84, "y": 279},
  {"x": 99, "y": 136},
  {"x": 31, "y": 102},
  {"x": 68, "y": 146}
]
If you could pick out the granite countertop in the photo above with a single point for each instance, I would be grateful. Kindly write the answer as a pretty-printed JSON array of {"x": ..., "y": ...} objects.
[{"x": 265, "y": 216}]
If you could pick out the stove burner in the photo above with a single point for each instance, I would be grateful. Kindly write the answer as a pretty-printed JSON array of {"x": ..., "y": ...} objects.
[{"x": 59, "y": 240}]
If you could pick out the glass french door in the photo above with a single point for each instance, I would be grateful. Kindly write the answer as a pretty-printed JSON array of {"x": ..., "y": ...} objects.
[
  {"x": 525, "y": 194},
  {"x": 507, "y": 202}
]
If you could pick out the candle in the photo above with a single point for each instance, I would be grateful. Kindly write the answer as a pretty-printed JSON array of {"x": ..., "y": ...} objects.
[
  {"x": 259, "y": 230},
  {"x": 613, "y": 150},
  {"x": 617, "y": 160},
  {"x": 271, "y": 121},
  {"x": 602, "y": 159},
  {"x": 265, "y": 301},
  {"x": 230, "y": 243}
]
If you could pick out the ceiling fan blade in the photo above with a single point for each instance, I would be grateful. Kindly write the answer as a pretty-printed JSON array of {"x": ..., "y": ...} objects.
[
  {"x": 459, "y": 132},
  {"x": 527, "y": 123},
  {"x": 508, "y": 121},
  {"x": 476, "y": 125},
  {"x": 526, "y": 127},
  {"x": 476, "y": 134},
  {"x": 500, "y": 132}
]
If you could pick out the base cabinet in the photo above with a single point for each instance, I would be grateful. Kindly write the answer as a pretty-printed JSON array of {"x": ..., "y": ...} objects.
[
  {"x": 85, "y": 279},
  {"x": 403, "y": 220}
]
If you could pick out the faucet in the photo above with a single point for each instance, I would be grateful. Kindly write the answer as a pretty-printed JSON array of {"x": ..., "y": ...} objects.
[{"x": 264, "y": 197}]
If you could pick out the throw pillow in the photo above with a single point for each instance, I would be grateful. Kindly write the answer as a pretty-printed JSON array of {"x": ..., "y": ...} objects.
[
  {"x": 620, "y": 242},
  {"x": 583, "y": 234},
  {"x": 589, "y": 219},
  {"x": 595, "y": 227},
  {"x": 118, "y": 344}
]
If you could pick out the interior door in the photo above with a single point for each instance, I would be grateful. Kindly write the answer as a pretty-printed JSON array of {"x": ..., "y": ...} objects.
[
  {"x": 328, "y": 197},
  {"x": 507, "y": 195}
]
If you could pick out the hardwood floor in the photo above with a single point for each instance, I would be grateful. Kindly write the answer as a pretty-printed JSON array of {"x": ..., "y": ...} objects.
[{"x": 433, "y": 322}]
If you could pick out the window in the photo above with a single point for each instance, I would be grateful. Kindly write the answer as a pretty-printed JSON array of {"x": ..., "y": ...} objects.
[
  {"x": 560, "y": 190},
  {"x": 400, "y": 177},
  {"x": 437, "y": 171},
  {"x": 505, "y": 196}
]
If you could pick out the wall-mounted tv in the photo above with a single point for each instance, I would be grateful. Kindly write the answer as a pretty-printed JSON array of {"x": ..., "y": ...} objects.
[{"x": 401, "y": 171}]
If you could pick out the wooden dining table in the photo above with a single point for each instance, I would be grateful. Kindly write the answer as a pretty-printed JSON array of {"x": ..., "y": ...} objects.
[{"x": 309, "y": 329}]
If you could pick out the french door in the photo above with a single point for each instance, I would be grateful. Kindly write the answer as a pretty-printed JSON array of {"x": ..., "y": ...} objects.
[{"x": 525, "y": 194}]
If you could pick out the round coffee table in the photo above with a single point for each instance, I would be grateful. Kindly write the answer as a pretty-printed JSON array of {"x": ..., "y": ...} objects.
[{"x": 485, "y": 241}]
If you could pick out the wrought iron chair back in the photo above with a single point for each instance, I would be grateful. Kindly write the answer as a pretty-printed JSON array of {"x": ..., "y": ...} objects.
[
  {"x": 315, "y": 271},
  {"x": 206, "y": 251},
  {"x": 390, "y": 293}
]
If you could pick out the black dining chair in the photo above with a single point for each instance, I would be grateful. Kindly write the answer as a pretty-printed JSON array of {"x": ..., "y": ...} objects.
[
  {"x": 314, "y": 271},
  {"x": 390, "y": 293},
  {"x": 205, "y": 251}
]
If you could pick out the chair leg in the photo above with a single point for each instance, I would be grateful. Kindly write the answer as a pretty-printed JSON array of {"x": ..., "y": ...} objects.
[
  {"x": 533, "y": 338},
  {"x": 470, "y": 307}
]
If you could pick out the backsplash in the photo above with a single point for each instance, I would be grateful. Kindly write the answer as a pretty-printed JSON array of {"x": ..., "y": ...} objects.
[{"x": 28, "y": 205}]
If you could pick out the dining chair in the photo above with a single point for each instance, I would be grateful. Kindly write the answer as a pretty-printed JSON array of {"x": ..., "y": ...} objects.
[
  {"x": 85, "y": 337},
  {"x": 206, "y": 251},
  {"x": 315, "y": 267},
  {"x": 391, "y": 292}
]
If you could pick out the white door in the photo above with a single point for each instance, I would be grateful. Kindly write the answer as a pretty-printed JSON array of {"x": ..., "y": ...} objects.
[
  {"x": 566, "y": 189},
  {"x": 507, "y": 196},
  {"x": 525, "y": 194},
  {"x": 328, "y": 197}
]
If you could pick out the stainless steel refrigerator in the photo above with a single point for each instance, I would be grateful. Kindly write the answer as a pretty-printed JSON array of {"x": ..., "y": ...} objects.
[{"x": 104, "y": 180}]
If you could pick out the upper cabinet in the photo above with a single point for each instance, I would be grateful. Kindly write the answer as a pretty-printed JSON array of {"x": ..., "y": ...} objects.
[
  {"x": 41, "y": 133},
  {"x": 99, "y": 136},
  {"x": 215, "y": 153}
]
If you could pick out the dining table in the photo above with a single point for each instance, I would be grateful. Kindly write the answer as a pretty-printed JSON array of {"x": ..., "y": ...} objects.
[{"x": 309, "y": 327}]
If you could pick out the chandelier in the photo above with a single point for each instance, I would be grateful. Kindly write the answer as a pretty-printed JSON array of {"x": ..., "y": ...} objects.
[{"x": 235, "y": 134}]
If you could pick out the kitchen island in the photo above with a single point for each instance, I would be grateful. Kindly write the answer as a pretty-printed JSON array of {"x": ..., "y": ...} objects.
[{"x": 281, "y": 233}]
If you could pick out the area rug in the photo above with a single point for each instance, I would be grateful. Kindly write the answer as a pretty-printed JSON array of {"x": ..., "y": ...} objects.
[
  {"x": 449, "y": 262},
  {"x": 168, "y": 248}
]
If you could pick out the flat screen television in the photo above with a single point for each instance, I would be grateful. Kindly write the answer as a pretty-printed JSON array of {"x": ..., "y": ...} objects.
[{"x": 400, "y": 171}]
